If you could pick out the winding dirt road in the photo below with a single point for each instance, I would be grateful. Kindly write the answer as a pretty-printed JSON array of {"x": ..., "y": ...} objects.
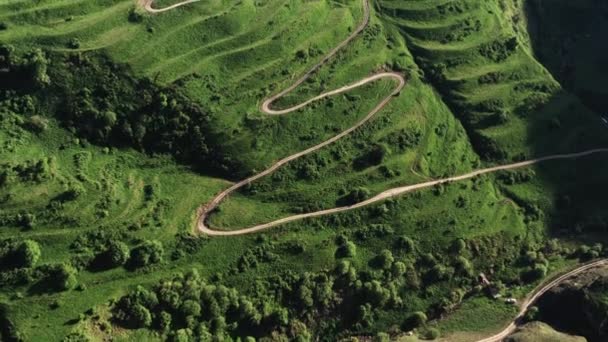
[
  {"x": 528, "y": 302},
  {"x": 380, "y": 197},
  {"x": 147, "y": 5},
  {"x": 266, "y": 107}
]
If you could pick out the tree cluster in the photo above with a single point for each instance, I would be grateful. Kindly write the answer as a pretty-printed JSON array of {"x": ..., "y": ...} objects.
[
  {"x": 18, "y": 254},
  {"x": 191, "y": 307},
  {"x": 103, "y": 102}
]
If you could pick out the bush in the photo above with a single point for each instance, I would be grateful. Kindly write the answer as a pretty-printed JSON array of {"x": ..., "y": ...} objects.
[
  {"x": 37, "y": 124},
  {"x": 27, "y": 220},
  {"x": 398, "y": 269},
  {"x": 135, "y": 16},
  {"x": 382, "y": 337},
  {"x": 117, "y": 253},
  {"x": 140, "y": 316},
  {"x": 28, "y": 253},
  {"x": 537, "y": 272},
  {"x": 342, "y": 267},
  {"x": 356, "y": 196},
  {"x": 132, "y": 309},
  {"x": 431, "y": 334},
  {"x": 384, "y": 260},
  {"x": 347, "y": 250},
  {"x": 190, "y": 308},
  {"x": 62, "y": 277},
  {"x": 73, "y": 193},
  {"x": 415, "y": 320},
  {"x": 77, "y": 336},
  {"x": 464, "y": 266},
  {"x": 373, "y": 157},
  {"x": 74, "y": 43},
  {"x": 532, "y": 314},
  {"x": 458, "y": 246},
  {"x": 406, "y": 244},
  {"x": 16, "y": 254},
  {"x": 36, "y": 66},
  {"x": 439, "y": 273},
  {"x": 150, "y": 252}
]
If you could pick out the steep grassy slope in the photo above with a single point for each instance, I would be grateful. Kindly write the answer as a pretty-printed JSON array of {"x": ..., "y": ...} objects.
[
  {"x": 479, "y": 58},
  {"x": 226, "y": 45}
]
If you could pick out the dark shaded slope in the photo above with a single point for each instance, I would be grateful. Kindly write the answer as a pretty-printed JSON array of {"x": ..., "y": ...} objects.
[
  {"x": 579, "y": 306},
  {"x": 571, "y": 39}
]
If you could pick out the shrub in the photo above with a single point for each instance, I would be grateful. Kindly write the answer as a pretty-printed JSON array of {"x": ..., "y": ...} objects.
[
  {"x": 132, "y": 309},
  {"x": 458, "y": 246},
  {"x": 190, "y": 308},
  {"x": 347, "y": 250},
  {"x": 405, "y": 243},
  {"x": 537, "y": 272},
  {"x": 384, "y": 260},
  {"x": 532, "y": 314},
  {"x": 140, "y": 316},
  {"x": 62, "y": 277},
  {"x": 374, "y": 293},
  {"x": 75, "y": 191},
  {"x": 150, "y": 252},
  {"x": 439, "y": 273},
  {"x": 117, "y": 253},
  {"x": 357, "y": 195},
  {"x": 431, "y": 334},
  {"x": 164, "y": 321},
  {"x": 415, "y": 320},
  {"x": 135, "y": 16},
  {"x": 27, "y": 220},
  {"x": 74, "y": 43},
  {"x": 374, "y": 230},
  {"x": 464, "y": 266},
  {"x": 77, "y": 336},
  {"x": 382, "y": 337},
  {"x": 36, "y": 65},
  {"x": 28, "y": 253},
  {"x": 37, "y": 124},
  {"x": 499, "y": 50},
  {"x": 374, "y": 156},
  {"x": 398, "y": 269}
]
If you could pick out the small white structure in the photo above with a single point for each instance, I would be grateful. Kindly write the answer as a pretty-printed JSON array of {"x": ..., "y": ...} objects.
[{"x": 511, "y": 301}]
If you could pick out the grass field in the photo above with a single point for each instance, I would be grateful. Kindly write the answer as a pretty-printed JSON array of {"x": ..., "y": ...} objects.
[{"x": 477, "y": 94}]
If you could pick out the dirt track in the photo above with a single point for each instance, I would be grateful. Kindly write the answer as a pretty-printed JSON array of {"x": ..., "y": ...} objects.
[
  {"x": 537, "y": 294},
  {"x": 206, "y": 209},
  {"x": 147, "y": 5},
  {"x": 380, "y": 197}
]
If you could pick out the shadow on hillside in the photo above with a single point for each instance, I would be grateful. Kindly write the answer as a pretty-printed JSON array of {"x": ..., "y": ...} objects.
[
  {"x": 570, "y": 38},
  {"x": 560, "y": 31}
]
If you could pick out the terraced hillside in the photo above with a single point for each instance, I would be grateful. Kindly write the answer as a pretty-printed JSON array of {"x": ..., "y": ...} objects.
[
  {"x": 116, "y": 124},
  {"x": 226, "y": 45},
  {"x": 478, "y": 55}
]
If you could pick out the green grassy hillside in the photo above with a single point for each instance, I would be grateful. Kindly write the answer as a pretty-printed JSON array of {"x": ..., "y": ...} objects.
[
  {"x": 116, "y": 125},
  {"x": 479, "y": 57}
]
